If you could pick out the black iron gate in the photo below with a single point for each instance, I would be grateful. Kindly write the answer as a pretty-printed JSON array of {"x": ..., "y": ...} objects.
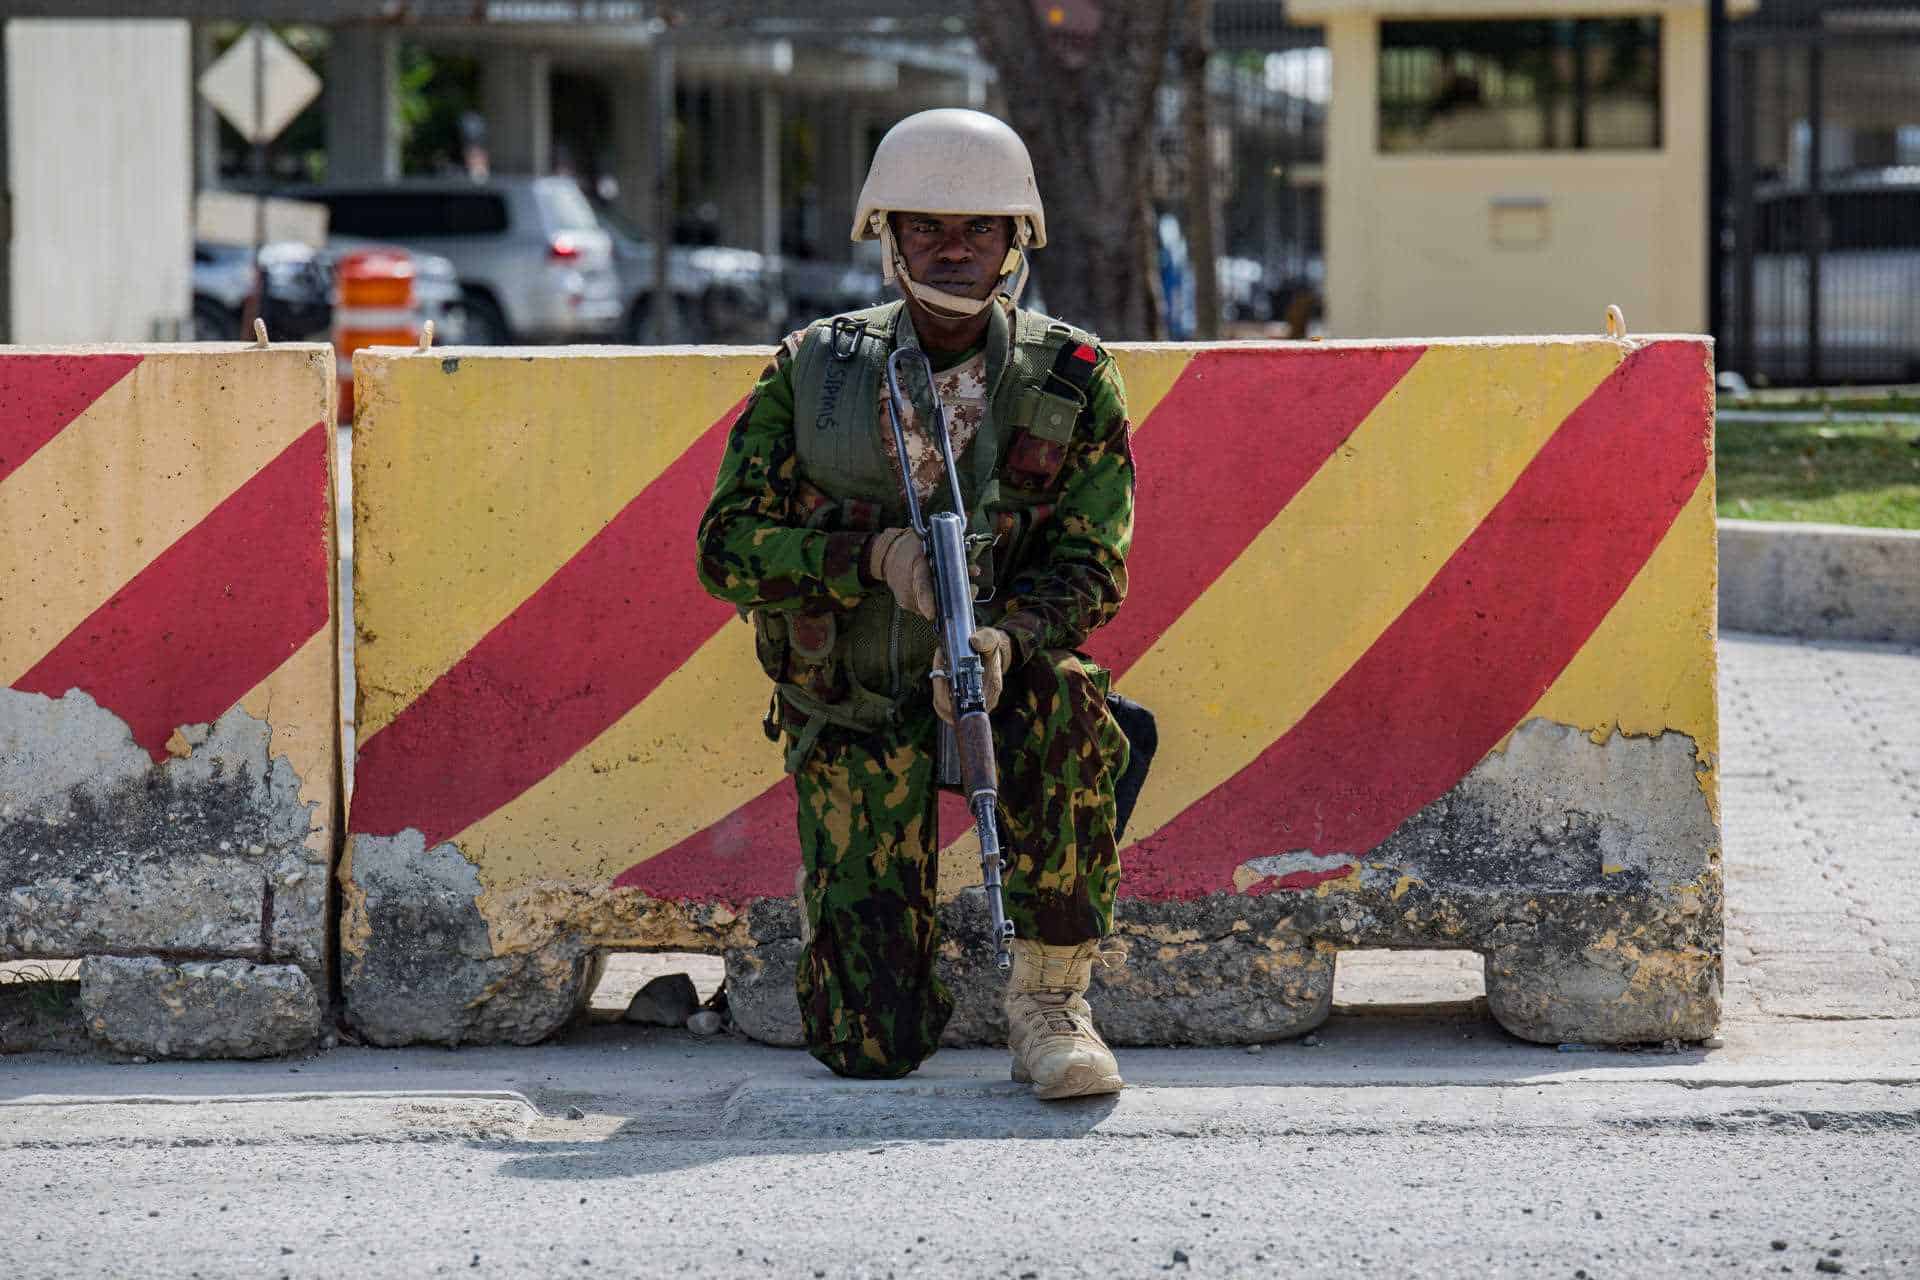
[{"x": 1817, "y": 193}]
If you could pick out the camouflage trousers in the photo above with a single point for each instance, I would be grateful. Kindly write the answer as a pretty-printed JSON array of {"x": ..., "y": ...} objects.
[{"x": 870, "y": 1001}]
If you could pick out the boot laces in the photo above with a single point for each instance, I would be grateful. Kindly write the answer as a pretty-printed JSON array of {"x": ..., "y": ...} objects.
[{"x": 1057, "y": 1017}]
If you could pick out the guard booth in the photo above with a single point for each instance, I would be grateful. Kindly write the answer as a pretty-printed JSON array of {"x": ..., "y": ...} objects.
[{"x": 1505, "y": 166}]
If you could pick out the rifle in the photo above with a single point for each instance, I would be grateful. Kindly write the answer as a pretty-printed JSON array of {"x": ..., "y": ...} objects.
[{"x": 969, "y": 739}]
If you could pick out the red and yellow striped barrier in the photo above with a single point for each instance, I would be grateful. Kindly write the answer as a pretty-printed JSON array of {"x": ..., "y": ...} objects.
[
  {"x": 167, "y": 724},
  {"x": 1358, "y": 569}
]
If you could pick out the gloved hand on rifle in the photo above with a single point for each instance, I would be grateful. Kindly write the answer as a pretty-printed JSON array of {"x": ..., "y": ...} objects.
[
  {"x": 995, "y": 648},
  {"x": 897, "y": 558}
]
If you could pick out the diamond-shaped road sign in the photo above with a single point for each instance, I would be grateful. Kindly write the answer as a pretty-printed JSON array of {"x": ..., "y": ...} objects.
[{"x": 285, "y": 85}]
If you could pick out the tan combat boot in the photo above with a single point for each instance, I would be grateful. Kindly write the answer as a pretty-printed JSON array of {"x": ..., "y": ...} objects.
[{"x": 1050, "y": 1026}]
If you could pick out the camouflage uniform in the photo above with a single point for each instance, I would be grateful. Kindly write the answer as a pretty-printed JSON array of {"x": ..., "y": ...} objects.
[{"x": 869, "y": 999}]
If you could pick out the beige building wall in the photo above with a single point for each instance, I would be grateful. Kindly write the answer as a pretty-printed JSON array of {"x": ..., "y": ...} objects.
[
  {"x": 99, "y": 129},
  {"x": 1513, "y": 242}
]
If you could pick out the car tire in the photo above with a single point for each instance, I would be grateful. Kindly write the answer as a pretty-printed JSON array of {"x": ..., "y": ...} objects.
[{"x": 483, "y": 322}]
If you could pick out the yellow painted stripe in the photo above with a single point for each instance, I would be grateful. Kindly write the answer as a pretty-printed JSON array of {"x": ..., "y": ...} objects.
[
  {"x": 521, "y": 461},
  {"x": 1148, "y": 373},
  {"x": 298, "y": 703},
  {"x": 1649, "y": 666},
  {"x": 631, "y": 794},
  {"x": 686, "y": 757},
  {"x": 126, "y": 479},
  {"x": 1346, "y": 557}
]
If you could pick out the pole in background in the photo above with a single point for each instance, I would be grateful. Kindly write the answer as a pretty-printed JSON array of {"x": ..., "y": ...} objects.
[
  {"x": 257, "y": 303},
  {"x": 1814, "y": 218},
  {"x": 1719, "y": 148},
  {"x": 258, "y": 85},
  {"x": 1202, "y": 215},
  {"x": 6, "y": 204},
  {"x": 1744, "y": 112},
  {"x": 662, "y": 128}
]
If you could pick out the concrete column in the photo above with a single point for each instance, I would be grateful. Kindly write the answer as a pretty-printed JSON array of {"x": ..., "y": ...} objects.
[
  {"x": 363, "y": 105},
  {"x": 206, "y": 121},
  {"x": 516, "y": 96},
  {"x": 842, "y": 168},
  {"x": 768, "y": 120},
  {"x": 748, "y": 122},
  {"x": 632, "y": 141}
]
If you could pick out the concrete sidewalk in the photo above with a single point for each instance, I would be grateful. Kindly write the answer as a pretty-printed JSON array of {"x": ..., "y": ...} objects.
[{"x": 650, "y": 1084}]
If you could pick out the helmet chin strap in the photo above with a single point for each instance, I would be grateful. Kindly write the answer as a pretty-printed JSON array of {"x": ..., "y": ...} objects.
[{"x": 952, "y": 306}]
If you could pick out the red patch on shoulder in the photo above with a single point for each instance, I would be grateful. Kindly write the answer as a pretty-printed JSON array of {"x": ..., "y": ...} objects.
[{"x": 1085, "y": 352}]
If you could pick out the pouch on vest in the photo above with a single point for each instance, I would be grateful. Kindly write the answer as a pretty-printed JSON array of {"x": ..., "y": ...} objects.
[
  {"x": 1044, "y": 416},
  {"x": 797, "y": 649},
  {"x": 810, "y": 658}
]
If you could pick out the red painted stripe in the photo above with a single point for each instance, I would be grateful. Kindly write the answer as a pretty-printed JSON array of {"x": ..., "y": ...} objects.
[
  {"x": 597, "y": 637},
  {"x": 1214, "y": 473},
  {"x": 1460, "y": 667},
  {"x": 40, "y": 395},
  {"x": 751, "y": 853},
  {"x": 216, "y": 613},
  {"x": 1195, "y": 510}
]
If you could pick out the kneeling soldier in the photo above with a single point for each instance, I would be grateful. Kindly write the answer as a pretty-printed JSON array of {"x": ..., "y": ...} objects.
[{"x": 806, "y": 531}]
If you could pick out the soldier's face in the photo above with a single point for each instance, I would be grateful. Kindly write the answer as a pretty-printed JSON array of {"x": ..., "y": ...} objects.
[{"x": 958, "y": 253}]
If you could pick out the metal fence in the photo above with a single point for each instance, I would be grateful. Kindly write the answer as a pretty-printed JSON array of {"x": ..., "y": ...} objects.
[{"x": 1817, "y": 127}]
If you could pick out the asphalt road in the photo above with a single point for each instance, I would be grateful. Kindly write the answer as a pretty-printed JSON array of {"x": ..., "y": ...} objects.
[
  {"x": 1392, "y": 1146},
  {"x": 1598, "y": 1201}
]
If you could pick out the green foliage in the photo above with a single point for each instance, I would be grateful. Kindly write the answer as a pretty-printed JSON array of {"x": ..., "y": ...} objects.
[
  {"x": 1832, "y": 399},
  {"x": 436, "y": 89},
  {"x": 1864, "y": 473}
]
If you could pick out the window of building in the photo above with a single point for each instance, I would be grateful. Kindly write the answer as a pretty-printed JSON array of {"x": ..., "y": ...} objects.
[{"x": 1562, "y": 84}]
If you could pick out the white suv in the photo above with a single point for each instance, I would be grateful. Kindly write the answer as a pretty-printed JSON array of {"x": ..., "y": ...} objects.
[{"x": 533, "y": 262}]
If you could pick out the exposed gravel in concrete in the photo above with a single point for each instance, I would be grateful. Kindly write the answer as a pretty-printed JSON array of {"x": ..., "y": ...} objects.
[{"x": 232, "y": 1009}]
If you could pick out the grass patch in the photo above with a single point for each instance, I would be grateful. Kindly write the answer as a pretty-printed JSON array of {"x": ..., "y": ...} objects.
[
  {"x": 1858, "y": 473},
  {"x": 1835, "y": 399}
]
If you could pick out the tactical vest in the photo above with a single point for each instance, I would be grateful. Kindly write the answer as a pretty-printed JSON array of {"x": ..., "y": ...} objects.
[{"x": 859, "y": 669}]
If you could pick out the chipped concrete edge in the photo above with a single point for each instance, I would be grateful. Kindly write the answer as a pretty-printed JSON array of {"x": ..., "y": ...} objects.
[
  {"x": 1820, "y": 581},
  {"x": 1615, "y": 936},
  {"x": 206, "y": 872}
]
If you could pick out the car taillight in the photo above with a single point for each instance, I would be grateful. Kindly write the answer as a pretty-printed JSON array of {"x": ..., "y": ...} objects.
[{"x": 563, "y": 249}]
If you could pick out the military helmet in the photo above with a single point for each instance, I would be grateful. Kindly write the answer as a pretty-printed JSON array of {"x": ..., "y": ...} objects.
[{"x": 951, "y": 160}]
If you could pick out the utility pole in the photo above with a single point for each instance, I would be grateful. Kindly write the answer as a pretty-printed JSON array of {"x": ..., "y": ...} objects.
[
  {"x": 6, "y": 204},
  {"x": 256, "y": 304},
  {"x": 1202, "y": 216},
  {"x": 662, "y": 129}
]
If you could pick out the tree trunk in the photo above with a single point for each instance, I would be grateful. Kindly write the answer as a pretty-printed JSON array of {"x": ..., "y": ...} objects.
[
  {"x": 1203, "y": 211},
  {"x": 1082, "y": 93}
]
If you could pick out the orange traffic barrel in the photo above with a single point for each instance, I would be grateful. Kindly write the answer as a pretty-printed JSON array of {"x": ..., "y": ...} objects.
[{"x": 373, "y": 306}]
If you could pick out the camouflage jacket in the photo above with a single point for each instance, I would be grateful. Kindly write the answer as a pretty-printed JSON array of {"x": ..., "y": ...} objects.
[{"x": 759, "y": 551}]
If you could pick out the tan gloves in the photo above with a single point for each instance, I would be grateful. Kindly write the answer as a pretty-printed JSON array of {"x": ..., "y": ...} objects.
[
  {"x": 995, "y": 648},
  {"x": 896, "y": 558}
]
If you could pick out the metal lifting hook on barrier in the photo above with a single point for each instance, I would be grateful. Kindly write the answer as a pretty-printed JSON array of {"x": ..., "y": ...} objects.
[{"x": 969, "y": 739}]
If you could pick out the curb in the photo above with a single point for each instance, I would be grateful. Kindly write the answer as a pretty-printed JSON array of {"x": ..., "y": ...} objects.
[{"x": 1820, "y": 581}]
